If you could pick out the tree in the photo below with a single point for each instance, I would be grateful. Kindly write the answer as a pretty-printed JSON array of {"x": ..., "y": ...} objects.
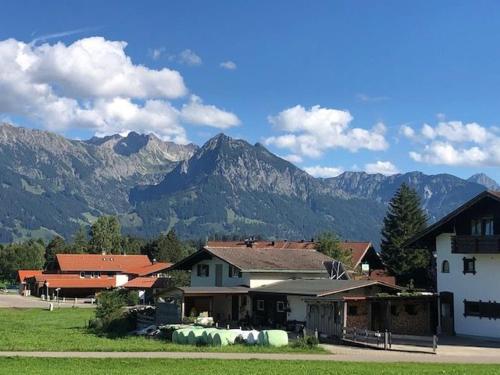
[
  {"x": 329, "y": 244},
  {"x": 80, "y": 242},
  {"x": 17, "y": 256},
  {"x": 55, "y": 246},
  {"x": 404, "y": 219},
  {"x": 105, "y": 235},
  {"x": 166, "y": 248},
  {"x": 132, "y": 245}
]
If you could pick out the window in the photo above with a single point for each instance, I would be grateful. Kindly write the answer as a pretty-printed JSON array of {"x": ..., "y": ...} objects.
[
  {"x": 234, "y": 272},
  {"x": 490, "y": 310},
  {"x": 260, "y": 305},
  {"x": 82, "y": 274},
  {"x": 488, "y": 227},
  {"x": 445, "y": 267},
  {"x": 202, "y": 270},
  {"x": 280, "y": 306},
  {"x": 469, "y": 265},
  {"x": 352, "y": 310},
  {"x": 476, "y": 227}
]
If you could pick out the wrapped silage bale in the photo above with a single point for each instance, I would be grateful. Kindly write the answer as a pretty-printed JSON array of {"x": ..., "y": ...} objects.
[
  {"x": 194, "y": 336},
  {"x": 262, "y": 338},
  {"x": 276, "y": 338},
  {"x": 252, "y": 337},
  {"x": 205, "y": 336},
  {"x": 224, "y": 338},
  {"x": 176, "y": 335}
]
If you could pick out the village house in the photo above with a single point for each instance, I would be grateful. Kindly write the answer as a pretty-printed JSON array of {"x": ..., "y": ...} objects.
[
  {"x": 466, "y": 244},
  {"x": 226, "y": 277},
  {"x": 83, "y": 275}
]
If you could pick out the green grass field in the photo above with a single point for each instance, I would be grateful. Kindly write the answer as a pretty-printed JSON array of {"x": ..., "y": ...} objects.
[
  {"x": 234, "y": 367},
  {"x": 65, "y": 330}
]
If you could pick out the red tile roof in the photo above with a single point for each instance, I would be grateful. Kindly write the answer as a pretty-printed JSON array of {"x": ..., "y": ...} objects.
[
  {"x": 133, "y": 264},
  {"x": 141, "y": 282},
  {"x": 357, "y": 249},
  {"x": 22, "y": 275},
  {"x": 75, "y": 281}
]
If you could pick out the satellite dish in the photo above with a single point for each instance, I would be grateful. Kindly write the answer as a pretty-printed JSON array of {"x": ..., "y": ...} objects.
[{"x": 336, "y": 270}]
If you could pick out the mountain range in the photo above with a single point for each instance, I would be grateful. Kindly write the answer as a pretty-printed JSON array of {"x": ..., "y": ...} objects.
[{"x": 51, "y": 185}]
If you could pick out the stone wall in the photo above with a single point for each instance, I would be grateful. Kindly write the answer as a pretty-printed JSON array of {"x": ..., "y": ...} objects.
[
  {"x": 360, "y": 319},
  {"x": 410, "y": 318}
]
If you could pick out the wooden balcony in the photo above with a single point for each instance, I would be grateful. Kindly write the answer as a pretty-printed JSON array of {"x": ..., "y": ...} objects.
[{"x": 467, "y": 244}]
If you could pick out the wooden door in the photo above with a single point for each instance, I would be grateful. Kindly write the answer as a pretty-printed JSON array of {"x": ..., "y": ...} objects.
[
  {"x": 447, "y": 313},
  {"x": 218, "y": 275}
]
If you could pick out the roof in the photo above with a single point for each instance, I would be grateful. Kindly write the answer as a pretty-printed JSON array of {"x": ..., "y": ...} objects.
[
  {"x": 197, "y": 290},
  {"x": 146, "y": 283},
  {"x": 317, "y": 287},
  {"x": 133, "y": 264},
  {"x": 263, "y": 244},
  {"x": 22, "y": 275},
  {"x": 75, "y": 281},
  {"x": 261, "y": 259},
  {"x": 434, "y": 229},
  {"x": 357, "y": 249}
]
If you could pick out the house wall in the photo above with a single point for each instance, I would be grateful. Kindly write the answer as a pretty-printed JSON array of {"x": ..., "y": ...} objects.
[
  {"x": 121, "y": 280},
  {"x": 298, "y": 308},
  {"x": 250, "y": 279},
  {"x": 473, "y": 287}
]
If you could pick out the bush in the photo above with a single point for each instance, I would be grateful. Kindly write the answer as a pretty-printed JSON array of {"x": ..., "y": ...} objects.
[
  {"x": 111, "y": 316},
  {"x": 305, "y": 342}
]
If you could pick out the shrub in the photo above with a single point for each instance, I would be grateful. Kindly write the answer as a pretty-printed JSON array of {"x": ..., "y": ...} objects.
[
  {"x": 111, "y": 316},
  {"x": 305, "y": 342}
]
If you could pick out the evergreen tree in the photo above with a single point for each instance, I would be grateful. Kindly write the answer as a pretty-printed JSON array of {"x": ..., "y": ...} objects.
[
  {"x": 166, "y": 248},
  {"x": 80, "y": 242},
  {"x": 404, "y": 219},
  {"x": 105, "y": 235},
  {"x": 26, "y": 255},
  {"x": 329, "y": 244},
  {"x": 56, "y": 246},
  {"x": 132, "y": 245}
]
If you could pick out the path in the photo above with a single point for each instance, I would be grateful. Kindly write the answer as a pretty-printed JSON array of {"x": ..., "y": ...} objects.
[
  {"x": 17, "y": 301},
  {"x": 342, "y": 354}
]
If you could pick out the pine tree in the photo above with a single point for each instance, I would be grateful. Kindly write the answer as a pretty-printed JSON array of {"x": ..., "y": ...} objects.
[
  {"x": 105, "y": 235},
  {"x": 404, "y": 219},
  {"x": 166, "y": 248},
  {"x": 55, "y": 246},
  {"x": 80, "y": 243}
]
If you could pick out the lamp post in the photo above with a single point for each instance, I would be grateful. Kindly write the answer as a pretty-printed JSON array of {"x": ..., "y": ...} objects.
[
  {"x": 47, "y": 285},
  {"x": 57, "y": 294}
]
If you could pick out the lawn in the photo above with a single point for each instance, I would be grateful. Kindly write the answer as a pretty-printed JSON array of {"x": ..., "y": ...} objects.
[
  {"x": 65, "y": 330},
  {"x": 76, "y": 366}
]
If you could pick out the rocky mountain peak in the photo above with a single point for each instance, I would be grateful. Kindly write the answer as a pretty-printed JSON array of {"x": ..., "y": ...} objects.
[{"x": 485, "y": 180}]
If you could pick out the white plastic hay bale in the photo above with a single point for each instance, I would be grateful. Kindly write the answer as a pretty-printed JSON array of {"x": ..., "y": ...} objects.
[
  {"x": 194, "y": 336},
  {"x": 262, "y": 338},
  {"x": 250, "y": 337},
  {"x": 205, "y": 335},
  {"x": 276, "y": 338},
  {"x": 224, "y": 338}
]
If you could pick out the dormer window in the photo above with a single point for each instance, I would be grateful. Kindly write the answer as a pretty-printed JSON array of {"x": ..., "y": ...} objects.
[
  {"x": 234, "y": 272},
  {"x": 482, "y": 227},
  {"x": 445, "y": 267}
]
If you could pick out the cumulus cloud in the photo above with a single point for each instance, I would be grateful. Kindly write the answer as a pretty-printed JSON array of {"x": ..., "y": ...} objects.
[
  {"x": 197, "y": 113},
  {"x": 324, "y": 172},
  {"x": 368, "y": 98},
  {"x": 292, "y": 158},
  {"x": 310, "y": 132},
  {"x": 382, "y": 167},
  {"x": 229, "y": 65},
  {"x": 93, "y": 84},
  {"x": 188, "y": 57},
  {"x": 156, "y": 53},
  {"x": 456, "y": 143}
]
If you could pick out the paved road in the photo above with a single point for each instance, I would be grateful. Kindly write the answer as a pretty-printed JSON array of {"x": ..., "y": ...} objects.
[
  {"x": 342, "y": 354},
  {"x": 17, "y": 301}
]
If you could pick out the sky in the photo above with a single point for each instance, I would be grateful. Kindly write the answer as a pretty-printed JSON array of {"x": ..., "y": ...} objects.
[{"x": 382, "y": 87}]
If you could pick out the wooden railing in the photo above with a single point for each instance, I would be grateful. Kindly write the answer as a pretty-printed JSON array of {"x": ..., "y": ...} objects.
[{"x": 468, "y": 244}]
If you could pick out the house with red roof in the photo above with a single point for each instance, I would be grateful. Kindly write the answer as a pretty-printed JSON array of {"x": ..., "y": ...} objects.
[{"x": 82, "y": 275}]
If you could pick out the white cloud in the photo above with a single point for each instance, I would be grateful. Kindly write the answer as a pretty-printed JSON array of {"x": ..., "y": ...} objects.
[
  {"x": 292, "y": 158},
  {"x": 197, "y": 113},
  {"x": 156, "y": 53},
  {"x": 93, "y": 84},
  {"x": 382, "y": 167},
  {"x": 407, "y": 131},
  {"x": 188, "y": 57},
  {"x": 229, "y": 65},
  {"x": 324, "y": 172},
  {"x": 367, "y": 98},
  {"x": 310, "y": 132},
  {"x": 457, "y": 143}
]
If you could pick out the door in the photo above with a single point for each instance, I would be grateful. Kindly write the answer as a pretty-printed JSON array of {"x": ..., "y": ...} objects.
[
  {"x": 447, "y": 313},
  {"x": 218, "y": 275},
  {"x": 235, "y": 308}
]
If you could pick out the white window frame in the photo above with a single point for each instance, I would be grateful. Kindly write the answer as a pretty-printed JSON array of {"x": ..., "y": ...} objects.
[
  {"x": 234, "y": 272},
  {"x": 280, "y": 306},
  {"x": 200, "y": 267},
  {"x": 260, "y": 305}
]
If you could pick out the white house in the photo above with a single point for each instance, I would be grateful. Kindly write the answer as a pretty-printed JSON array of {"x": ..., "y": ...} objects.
[
  {"x": 222, "y": 273},
  {"x": 467, "y": 248}
]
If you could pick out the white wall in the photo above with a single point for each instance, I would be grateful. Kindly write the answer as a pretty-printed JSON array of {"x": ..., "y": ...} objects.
[
  {"x": 484, "y": 286},
  {"x": 298, "y": 308},
  {"x": 121, "y": 280},
  {"x": 257, "y": 279}
]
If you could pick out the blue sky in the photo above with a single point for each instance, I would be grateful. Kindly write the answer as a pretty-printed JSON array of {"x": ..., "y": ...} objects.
[{"x": 332, "y": 85}]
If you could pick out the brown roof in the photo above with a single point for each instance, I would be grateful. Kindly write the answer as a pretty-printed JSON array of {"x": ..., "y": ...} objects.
[
  {"x": 263, "y": 244},
  {"x": 141, "y": 282},
  {"x": 357, "y": 249},
  {"x": 75, "y": 281},
  {"x": 133, "y": 264}
]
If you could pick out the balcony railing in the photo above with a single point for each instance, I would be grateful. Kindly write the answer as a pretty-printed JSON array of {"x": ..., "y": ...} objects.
[{"x": 467, "y": 244}]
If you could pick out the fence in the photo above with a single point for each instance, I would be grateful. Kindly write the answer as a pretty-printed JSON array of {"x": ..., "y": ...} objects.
[{"x": 387, "y": 339}]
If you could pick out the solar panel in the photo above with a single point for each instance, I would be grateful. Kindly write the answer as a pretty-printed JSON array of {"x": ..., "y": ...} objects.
[{"x": 336, "y": 270}]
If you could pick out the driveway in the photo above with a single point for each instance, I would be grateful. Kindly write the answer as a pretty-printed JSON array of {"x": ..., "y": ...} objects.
[{"x": 17, "y": 301}]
